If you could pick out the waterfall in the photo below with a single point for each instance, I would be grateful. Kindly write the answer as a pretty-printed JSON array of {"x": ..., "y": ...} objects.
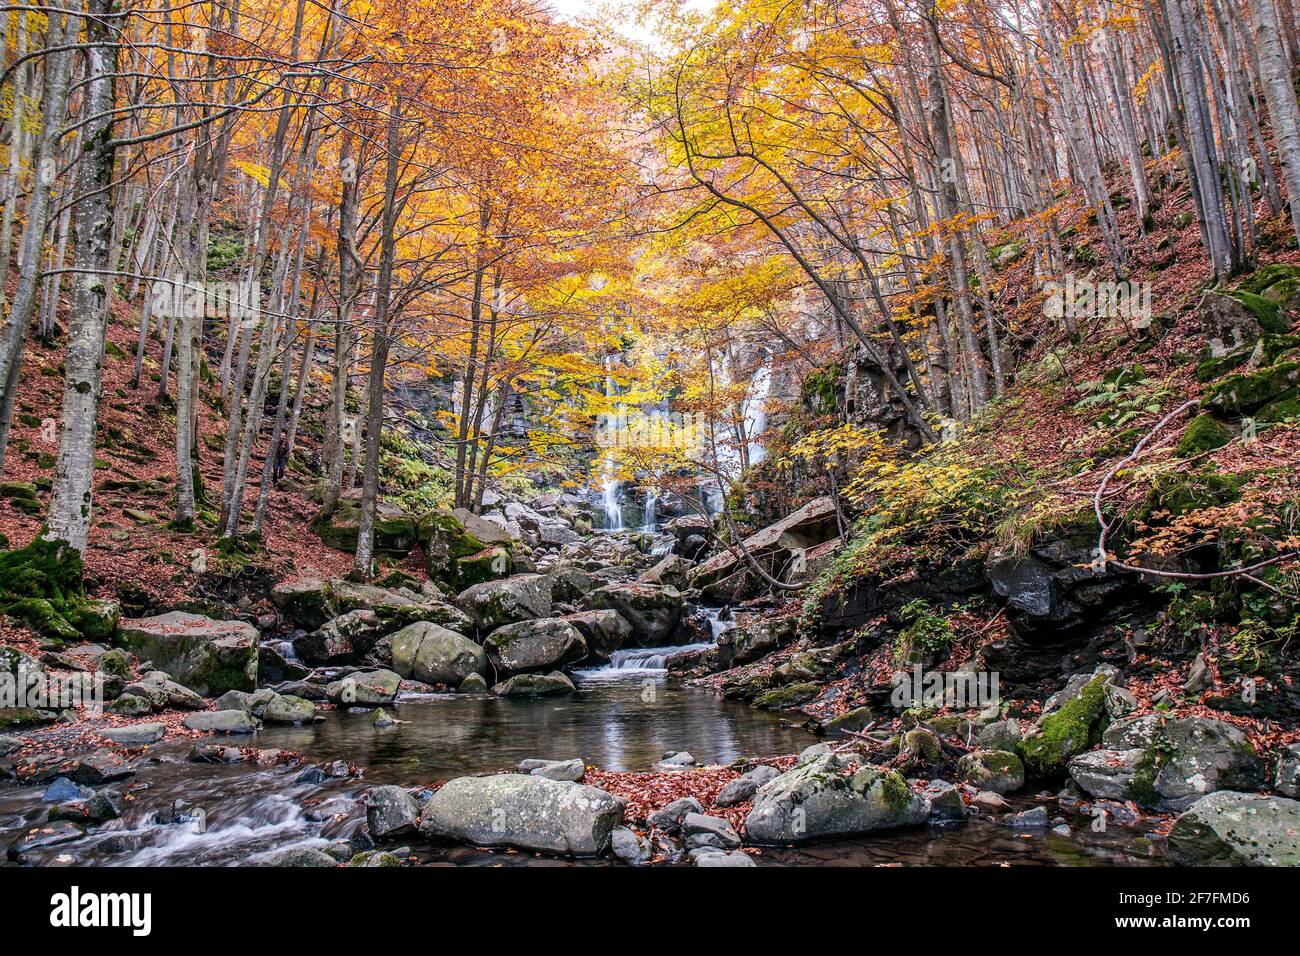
[
  {"x": 651, "y": 504},
  {"x": 754, "y": 410},
  {"x": 610, "y": 490},
  {"x": 654, "y": 660}
]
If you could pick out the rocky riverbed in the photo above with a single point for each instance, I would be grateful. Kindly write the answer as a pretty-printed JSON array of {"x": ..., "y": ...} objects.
[{"x": 544, "y": 711}]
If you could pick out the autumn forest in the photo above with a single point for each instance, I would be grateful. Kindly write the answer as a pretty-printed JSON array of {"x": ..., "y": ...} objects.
[{"x": 656, "y": 433}]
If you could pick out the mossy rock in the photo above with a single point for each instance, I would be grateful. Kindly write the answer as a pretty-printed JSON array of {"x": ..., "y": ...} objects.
[
  {"x": 1179, "y": 494},
  {"x": 1247, "y": 392},
  {"x": 41, "y": 584},
  {"x": 783, "y": 698},
  {"x": 395, "y": 531},
  {"x": 1283, "y": 410},
  {"x": 1065, "y": 733},
  {"x": 488, "y": 565},
  {"x": 1279, "y": 283},
  {"x": 1204, "y": 433},
  {"x": 1266, "y": 312},
  {"x": 447, "y": 545}
]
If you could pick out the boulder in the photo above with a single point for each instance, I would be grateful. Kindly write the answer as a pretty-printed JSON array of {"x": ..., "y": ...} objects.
[
  {"x": 287, "y": 709},
  {"x": 604, "y": 631},
  {"x": 340, "y": 639},
  {"x": 307, "y": 601},
  {"x": 436, "y": 655},
  {"x": 376, "y": 688},
  {"x": 995, "y": 770},
  {"x": 669, "y": 817},
  {"x": 210, "y": 657},
  {"x": 538, "y": 645},
  {"x": 395, "y": 530},
  {"x": 136, "y": 735},
  {"x": 390, "y": 812},
  {"x": 651, "y": 610},
  {"x": 525, "y": 811},
  {"x": 573, "y": 770},
  {"x": 495, "y": 603},
  {"x": 534, "y": 685},
  {"x": 1237, "y": 829},
  {"x": 222, "y": 722},
  {"x": 628, "y": 847},
  {"x": 670, "y": 571},
  {"x": 813, "y": 524},
  {"x": 162, "y": 692},
  {"x": 1286, "y": 780},
  {"x": 701, "y": 830},
  {"x": 830, "y": 795},
  {"x": 1064, "y": 732},
  {"x": 1168, "y": 763},
  {"x": 743, "y": 788},
  {"x": 718, "y": 859}
]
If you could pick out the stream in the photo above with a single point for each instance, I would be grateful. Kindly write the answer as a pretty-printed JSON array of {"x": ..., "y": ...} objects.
[{"x": 625, "y": 716}]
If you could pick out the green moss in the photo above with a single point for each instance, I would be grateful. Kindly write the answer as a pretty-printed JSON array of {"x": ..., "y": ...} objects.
[
  {"x": 792, "y": 695},
  {"x": 1266, "y": 312},
  {"x": 1204, "y": 433},
  {"x": 1244, "y": 393},
  {"x": 1179, "y": 494},
  {"x": 1142, "y": 789},
  {"x": 1065, "y": 733}
]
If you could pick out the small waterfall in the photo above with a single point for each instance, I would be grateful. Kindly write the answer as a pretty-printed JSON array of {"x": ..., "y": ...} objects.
[
  {"x": 755, "y": 410},
  {"x": 651, "y": 522},
  {"x": 611, "y": 492},
  {"x": 717, "y": 624},
  {"x": 637, "y": 660}
]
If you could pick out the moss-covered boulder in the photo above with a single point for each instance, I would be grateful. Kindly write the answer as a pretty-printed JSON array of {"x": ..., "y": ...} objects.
[
  {"x": 1065, "y": 732},
  {"x": 1204, "y": 433},
  {"x": 207, "y": 656},
  {"x": 1168, "y": 763},
  {"x": 492, "y": 604},
  {"x": 1246, "y": 392},
  {"x": 458, "y": 557},
  {"x": 539, "y": 645},
  {"x": 1237, "y": 829},
  {"x": 1278, "y": 283},
  {"x": 435, "y": 655},
  {"x": 652, "y": 610},
  {"x": 41, "y": 585},
  {"x": 395, "y": 530},
  {"x": 831, "y": 795},
  {"x": 791, "y": 695},
  {"x": 377, "y": 688},
  {"x": 534, "y": 685},
  {"x": 996, "y": 770},
  {"x": 309, "y": 601}
]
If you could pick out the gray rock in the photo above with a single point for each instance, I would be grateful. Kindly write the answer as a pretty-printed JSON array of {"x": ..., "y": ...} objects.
[
  {"x": 946, "y": 804},
  {"x": 1035, "y": 819},
  {"x": 473, "y": 684},
  {"x": 435, "y": 655},
  {"x": 341, "y": 639},
  {"x": 996, "y": 770},
  {"x": 830, "y": 795},
  {"x": 1237, "y": 829},
  {"x": 525, "y": 646},
  {"x": 701, "y": 830},
  {"x": 1168, "y": 762},
  {"x": 9, "y": 745},
  {"x": 162, "y": 692},
  {"x": 525, "y": 811},
  {"x": 136, "y": 735},
  {"x": 302, "y": 857},
  {"x": 1000, "y": 735},
  {"x": 745, "y": 786},
  {"x": 669, "y": 817},
  {"x": 375, "y": 688},
  {"x": 208, "y": 656},
  {"x": 572, "y": 770},
  {"x": 628, "y": 847},
  {"x": 495, "y": 603},
  {"x": 223, "y": 722},
  {"x": 728, "y": 860},
  {"x": 651, "y": 610},
  {"x": 287, "y": 709},
  {"x": 390, "y": 812},
  {"x": 534, "y": 685},
  {"x": 131, "y": 705},
  {"x": 604, "y": 631},
  {"x": 1287, "y": 779}
]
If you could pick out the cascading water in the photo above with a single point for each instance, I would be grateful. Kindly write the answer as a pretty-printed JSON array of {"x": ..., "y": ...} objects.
[
  {"x": 651, "y": 521},
  {"x": 610, "y": 490},
  {"x": 754, "y": 410},
  {"x": 641, "y": 661}
]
